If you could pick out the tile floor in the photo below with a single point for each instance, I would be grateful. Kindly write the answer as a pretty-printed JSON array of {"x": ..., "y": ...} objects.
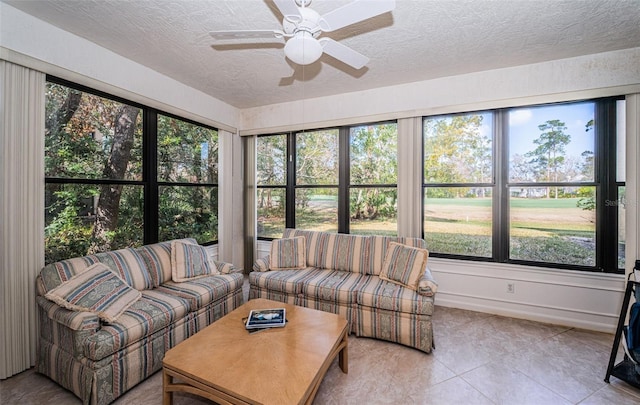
[{"x": 479, "y": 359}]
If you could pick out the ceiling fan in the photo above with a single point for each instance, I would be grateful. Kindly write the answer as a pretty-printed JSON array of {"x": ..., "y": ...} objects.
[{"x": 302, "y": 27}]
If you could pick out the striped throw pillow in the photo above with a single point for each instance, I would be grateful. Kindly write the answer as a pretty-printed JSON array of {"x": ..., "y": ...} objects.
[
  {"x": 97, "y": 289},
  {"x": 190, "y": 261},
  {"x": 404, "y": 265},
  {"x": 288, "y": 254}
]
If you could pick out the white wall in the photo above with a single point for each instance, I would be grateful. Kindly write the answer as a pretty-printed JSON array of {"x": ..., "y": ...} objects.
[{"x": 579, "y": 299}]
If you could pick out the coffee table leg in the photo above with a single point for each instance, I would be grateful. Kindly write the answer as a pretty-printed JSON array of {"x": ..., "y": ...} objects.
[
  {"x": 167, "y": 396},
  {"x": 343, "y": 359}
]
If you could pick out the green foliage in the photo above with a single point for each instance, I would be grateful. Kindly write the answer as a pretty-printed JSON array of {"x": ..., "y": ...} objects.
[
  {"x": 373, "y": 203},
  {"x": 66, "y": 234},
  {"x": 80, "y": 132},
  {"x": 188, "y": 212},
  {"x": 587, "y": 201},
  {"x": 69, "y": 220},
  {"x": 317, "y": 158},
  {"x": 374, "y": 160},
  {"x": 547, "y": 158},
  {"x": 186, "y": 152},
  {"x": 271, "y": 167},
  {"x": 374, "y": 154},
  {"x": 456, "y": 150}
]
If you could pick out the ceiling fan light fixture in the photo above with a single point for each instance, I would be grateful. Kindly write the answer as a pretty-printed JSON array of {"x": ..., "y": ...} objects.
[{"x": 303, "y": 48}]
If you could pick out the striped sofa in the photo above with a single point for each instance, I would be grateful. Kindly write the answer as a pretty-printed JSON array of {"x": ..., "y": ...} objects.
[
  {"x": 99, "y": 361},
  {"x": 342, "y": 275}
]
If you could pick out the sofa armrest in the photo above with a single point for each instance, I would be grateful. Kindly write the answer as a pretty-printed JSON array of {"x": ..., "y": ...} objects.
[
  {"x": 67, "y": 329},
  {"x": 427, "y": 286},
  {"x": 227, "y": 268},
  {"x": 262, "y": 264},
  {"x": 74, "y": 320}
]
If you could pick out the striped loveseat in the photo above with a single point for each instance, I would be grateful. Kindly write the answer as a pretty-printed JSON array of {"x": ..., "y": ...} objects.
[
  {"x": 342, "y": 274},
  {"x": 100, "y": 360}
]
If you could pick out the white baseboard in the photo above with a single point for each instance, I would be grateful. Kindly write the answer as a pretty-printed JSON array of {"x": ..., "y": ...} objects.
[
  {"x": 570, "y": 298},
  {"x": 596, "y": 322}
]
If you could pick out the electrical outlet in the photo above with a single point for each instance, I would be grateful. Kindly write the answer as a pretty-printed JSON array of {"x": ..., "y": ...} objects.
[{"x": 511, "y": 288}]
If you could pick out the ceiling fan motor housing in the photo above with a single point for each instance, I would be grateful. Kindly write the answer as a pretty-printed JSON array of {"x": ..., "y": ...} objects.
[
  {"x": 303, "y": 48},
  {"x": 310, "y": 22}
]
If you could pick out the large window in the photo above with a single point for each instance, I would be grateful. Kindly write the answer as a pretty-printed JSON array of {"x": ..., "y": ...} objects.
[
  {"x": 459, "y": 185},
  {"x": 316, "y": 180},
  {"x": 187, "y": 178},
  {"x": 119, "y": 174},
  {"x": 271, "y": 177},
  {"x": 337, "y": 179},
  {"x": 540, "y": 185},
  {"x": 373, "y": 170}
]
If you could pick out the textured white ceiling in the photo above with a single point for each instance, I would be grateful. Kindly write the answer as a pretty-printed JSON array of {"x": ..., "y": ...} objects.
[{"x": 419, "y": 40}]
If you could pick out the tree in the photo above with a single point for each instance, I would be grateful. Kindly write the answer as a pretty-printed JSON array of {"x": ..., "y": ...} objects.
[
  {"x": 271, "y": 170},
  {"x": 316, "y": 163},
  {"x": 456, "y": 151},
  {"x": 374, "y": 160},
  {"x": 115, "y": 167},
  {"x": 548, "y": 156},
  {"x": 588, "y": 199},
  {"x": 187, "y": 153}
]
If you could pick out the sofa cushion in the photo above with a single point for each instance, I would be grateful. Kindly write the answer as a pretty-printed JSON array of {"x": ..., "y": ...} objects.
[
  {"x": 157, "y": 259},
  {"x": 226, "y": 268},
  {"x": 190, "y": 261},
  {"x": 262, "y": 264},
  {"x": 285, "y": 281},
  {"x": 404, "y": 265},
  {"x": 288, "y": 253},
  {"x": 313, "y": 244},
  {"x": 97, "y": 289},
  {"x": 345, "y": 252},
  {"x": 128, "y": 264},
  {"x": 332, "y": 285},
  {"x": 379, "y": 246},
  {"x": 377, "y": 293},
  {"x": 202, "y": 291},
  {"x": 151, "y": 313}
]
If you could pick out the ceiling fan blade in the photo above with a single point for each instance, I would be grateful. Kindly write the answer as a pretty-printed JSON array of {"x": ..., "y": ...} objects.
[
  {"x": 289, "y": 10},
  {"x": 356, "y": 11},
  {"x": 241, "y": 34},
  {"x": 343, "y": 53}
]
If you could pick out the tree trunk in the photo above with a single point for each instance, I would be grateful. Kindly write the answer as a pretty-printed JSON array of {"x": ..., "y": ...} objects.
[
  {"x": 55, "y": 122},
  {"x": 109, "y": 200},
  {"x": 54, "y": 125}
]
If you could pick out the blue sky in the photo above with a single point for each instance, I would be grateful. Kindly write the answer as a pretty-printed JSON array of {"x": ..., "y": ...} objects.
[{"x": 524, "y": 126}]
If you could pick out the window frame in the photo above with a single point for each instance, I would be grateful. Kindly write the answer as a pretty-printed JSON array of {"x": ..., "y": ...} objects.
[
  {"x": 149, "y": 182},
  {"x": 605, "y": 182},
  {"x": 344, "y": 185}
]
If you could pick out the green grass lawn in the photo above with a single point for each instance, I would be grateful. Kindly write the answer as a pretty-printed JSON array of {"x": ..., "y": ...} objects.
[{"x": 552, "y": 230}]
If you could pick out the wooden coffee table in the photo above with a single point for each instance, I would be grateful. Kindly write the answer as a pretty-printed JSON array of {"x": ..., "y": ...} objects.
[{"x": 227, "y": 365}]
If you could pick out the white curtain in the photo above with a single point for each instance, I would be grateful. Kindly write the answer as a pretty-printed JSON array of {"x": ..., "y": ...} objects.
[
  {"x": 410, "y": 177},
  {"x": 22, "y": 103}
]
